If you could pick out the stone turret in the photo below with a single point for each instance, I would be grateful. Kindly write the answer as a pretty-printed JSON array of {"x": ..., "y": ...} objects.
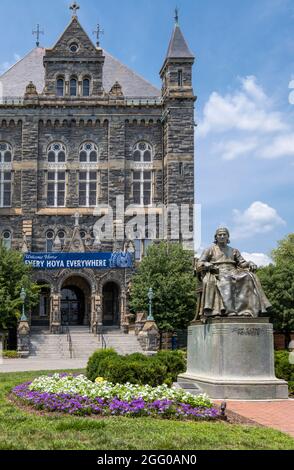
[
  {"x": 178, "y": 118},
  {"x": 176, "y": 72}
]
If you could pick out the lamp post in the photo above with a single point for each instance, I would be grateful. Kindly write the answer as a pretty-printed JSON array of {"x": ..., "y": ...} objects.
[
  {"x": 23, "y": 298},
  {"x": 150, "y": 297}
]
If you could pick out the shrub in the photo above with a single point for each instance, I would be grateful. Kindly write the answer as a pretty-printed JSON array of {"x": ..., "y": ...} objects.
[
  {"x": 284, "y": 370},
  {"x": 10, "y": 354},
  {"x": 94, "y": 366},
  {"x": 123, "y": 369},
  {"x": 163, "y": 368},
  {"x": 174, "y": 361}
]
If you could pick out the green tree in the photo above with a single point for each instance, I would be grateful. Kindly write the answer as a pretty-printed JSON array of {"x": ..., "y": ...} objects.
[
  {"x": 284, "y": 253},
  {"x": 278, "y": 282},
  {"x": 168, "y": 269},
  {"x": 14, "y": 275}
]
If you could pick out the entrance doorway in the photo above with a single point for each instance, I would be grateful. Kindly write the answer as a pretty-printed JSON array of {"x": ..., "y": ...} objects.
[
  {"x": 72, "y": 306},
  {"x": 111, "y": 313},
  {"x": 75, "y": 298},
  {"x": 41, "y": 313}
]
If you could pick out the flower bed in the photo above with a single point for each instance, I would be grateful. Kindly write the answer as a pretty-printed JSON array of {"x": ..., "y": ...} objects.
[{"x": 79, "y": 396}]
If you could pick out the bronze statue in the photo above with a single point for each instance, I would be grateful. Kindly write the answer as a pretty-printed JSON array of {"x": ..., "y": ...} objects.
[{"x": 229, "y": 285}]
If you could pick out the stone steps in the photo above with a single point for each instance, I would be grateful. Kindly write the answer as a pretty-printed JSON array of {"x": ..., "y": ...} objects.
[{"x": 55, "y": 347}]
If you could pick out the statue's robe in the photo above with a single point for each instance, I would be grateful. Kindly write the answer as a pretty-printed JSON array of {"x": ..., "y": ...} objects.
[{"x": 234, "y": 289}]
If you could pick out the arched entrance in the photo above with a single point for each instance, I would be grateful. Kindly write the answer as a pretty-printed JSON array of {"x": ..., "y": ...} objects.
[
  {"x": 111, "y": 309},
  {"x": 75, "y": 301},
  {"x": 41, "y": 313}
]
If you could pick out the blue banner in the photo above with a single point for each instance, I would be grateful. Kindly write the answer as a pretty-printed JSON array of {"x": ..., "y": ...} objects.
[{"x": 117, "y": 260}]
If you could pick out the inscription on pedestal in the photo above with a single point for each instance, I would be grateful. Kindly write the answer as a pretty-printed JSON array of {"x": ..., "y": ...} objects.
[{"x": 247, "y": 331}]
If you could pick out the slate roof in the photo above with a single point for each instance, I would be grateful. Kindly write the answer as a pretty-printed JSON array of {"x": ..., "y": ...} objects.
[
  {"x": 31, "y": 68},
  {"x": 178, "y": 47}
]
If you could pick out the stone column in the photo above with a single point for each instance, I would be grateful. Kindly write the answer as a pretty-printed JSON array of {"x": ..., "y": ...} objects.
[
  {"x": 30, "y": 141},
  {"x": 124, "y": 321},
  {"x": 23, "y": 339},
  {"x": 96, "y": 314},
  {"x": 55, "y": 314}
]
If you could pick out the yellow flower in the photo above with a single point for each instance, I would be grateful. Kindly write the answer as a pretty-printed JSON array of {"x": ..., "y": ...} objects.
[{"x": 100, "y": 380}]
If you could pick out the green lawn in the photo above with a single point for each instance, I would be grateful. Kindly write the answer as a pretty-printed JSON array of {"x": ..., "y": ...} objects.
[{"x": 22, "y": 430}]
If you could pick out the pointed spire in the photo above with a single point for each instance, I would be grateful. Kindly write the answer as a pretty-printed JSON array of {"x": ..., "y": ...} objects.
[{"x": 178, "y": 47}]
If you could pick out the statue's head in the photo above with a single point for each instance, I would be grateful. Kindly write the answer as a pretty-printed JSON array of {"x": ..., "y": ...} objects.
[{"x": 222, "y": 233}]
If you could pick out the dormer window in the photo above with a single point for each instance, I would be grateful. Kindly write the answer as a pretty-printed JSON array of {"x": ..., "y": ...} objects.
[
  {"x": 74, "y": 47},
  {"x": 60, "y": 87},
  {"x": 73, "y": 87}
]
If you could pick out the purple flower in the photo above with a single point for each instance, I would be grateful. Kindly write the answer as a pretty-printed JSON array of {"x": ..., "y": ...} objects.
[{"x": 81, "y": 405}]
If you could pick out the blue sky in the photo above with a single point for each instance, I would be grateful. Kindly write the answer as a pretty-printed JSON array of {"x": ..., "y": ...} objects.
[{"x": 244, "y": 67}]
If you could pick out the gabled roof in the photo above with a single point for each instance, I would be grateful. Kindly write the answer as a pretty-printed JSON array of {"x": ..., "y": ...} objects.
[
  {"x": 178, "y": 48},
  {"x": 74, "y": 30},
  {"x": 31, "y": 68}
]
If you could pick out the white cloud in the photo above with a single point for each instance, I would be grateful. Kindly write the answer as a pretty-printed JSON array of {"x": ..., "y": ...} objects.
[
  {"x": 245, "y": 123},
  {"x": 260, "y": 259},
  {"x": 281, "y": 146},
  {"x": 251, "y": 87},
  {"x": 245, "y": 110},
  {"x": 259, "y": 218},
  {"x": 231, "y": 149}
]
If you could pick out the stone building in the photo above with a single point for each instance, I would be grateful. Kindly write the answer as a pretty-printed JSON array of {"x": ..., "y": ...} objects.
[{"x": 78, "y": 129}]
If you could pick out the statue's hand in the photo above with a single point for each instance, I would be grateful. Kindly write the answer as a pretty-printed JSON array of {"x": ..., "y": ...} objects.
[
  {"x": 252, "y": 267},
  {"x": 210, "y": 267}
]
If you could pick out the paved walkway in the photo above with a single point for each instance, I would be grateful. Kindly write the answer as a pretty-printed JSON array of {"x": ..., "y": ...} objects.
[
  {"x": 26, "y": 365},
  {"x": 273, "y": 414}
]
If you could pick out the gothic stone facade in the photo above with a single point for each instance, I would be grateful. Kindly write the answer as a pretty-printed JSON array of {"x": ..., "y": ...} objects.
[{"x": 76, "y": 95}]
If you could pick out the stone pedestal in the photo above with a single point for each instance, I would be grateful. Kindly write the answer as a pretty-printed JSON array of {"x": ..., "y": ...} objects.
[
  {"x": 23, "y": 339},
  {"x": 233, "y": 358},
  {"x": 140, "y": 321},
  {"x": 149, "y": 337}
]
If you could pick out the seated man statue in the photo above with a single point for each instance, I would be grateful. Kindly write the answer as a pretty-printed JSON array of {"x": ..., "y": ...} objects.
[{"x": 230, "y": 287}]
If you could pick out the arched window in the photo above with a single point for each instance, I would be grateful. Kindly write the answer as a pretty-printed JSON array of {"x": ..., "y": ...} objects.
[
  {"x": 5, "y": 153},
  {"x": 180, "y": 78},
  {"x": 88, "y": 175},
  {"x": 86, "y": 87},
  {"x": 5, "y": 174},
  {"x": 49, "y": 241},
  {"x": 6, "y": 239},
  {"x": 56, "y": 153},
  {"x": 60, "y": 87},
  {"x": 62, "y": 237},
  {"x": 89, "y": 153},
  {"x": 56, "y": 176},
  {"x": 142, "y": 152},
  {"x": 142, "y": 175},
  {"x": 73, "y": 87}
]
